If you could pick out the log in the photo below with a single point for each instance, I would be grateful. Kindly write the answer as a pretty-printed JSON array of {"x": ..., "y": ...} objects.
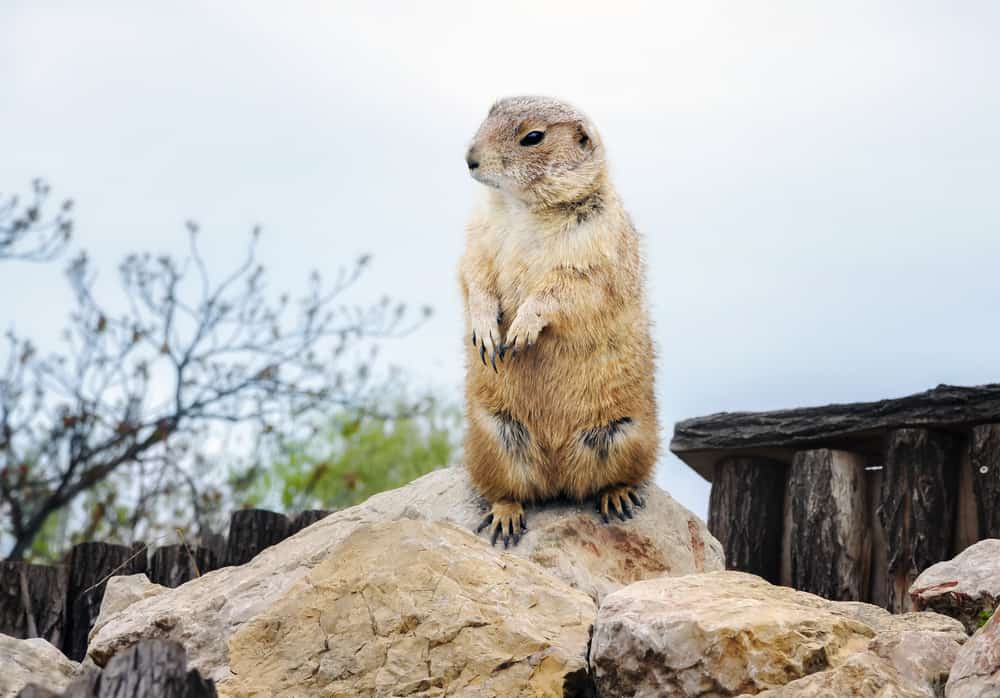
[
  {"x": 858, "y": 427},
  {"x": 32, "y": 600},
  {"x": 252, "y": 530},
  {"x": 745, "y": 512},
  {"x": 984, "y": 455},
  {"x": 172, "y": 565},
  {"x": 148, "y": 669},
  {"x": 90, "y": 564},
  {"x": 307, "y": 518},
  {"x": 917, "y": 505},
  {"x": 828, "y": 544}
]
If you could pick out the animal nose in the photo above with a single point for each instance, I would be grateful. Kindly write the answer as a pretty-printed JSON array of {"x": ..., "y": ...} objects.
[{"x": 473, "y": 164}]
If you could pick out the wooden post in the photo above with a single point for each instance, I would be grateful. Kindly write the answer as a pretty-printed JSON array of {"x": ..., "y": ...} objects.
[
  {"x": 172, "y": 565},
  {"x": 745, "y": 513},
  {"x": 829, "y": 546},
  {"x": 252, "y": 530},
  {"x": 984, "y": 455},
  {"x": 89, "y": 566},
  {"x": 32, "y": 600},
  {"x": 307, "y": 518},
  {"x": 918, "y": 505}
]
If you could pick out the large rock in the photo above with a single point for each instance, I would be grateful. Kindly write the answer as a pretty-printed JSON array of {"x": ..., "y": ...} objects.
[
  {"x": 32, "y": 661},
  {"x": 976, "y": 671},
  {"x": 964, "y": 587},
  {"x": 566, "y": 539},
  {"x": 729, "y": 633},
  {"x": 416, "y": 608}
]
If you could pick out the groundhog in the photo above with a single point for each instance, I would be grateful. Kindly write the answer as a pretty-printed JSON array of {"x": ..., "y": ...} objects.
[{"x": 559, "y": 383}]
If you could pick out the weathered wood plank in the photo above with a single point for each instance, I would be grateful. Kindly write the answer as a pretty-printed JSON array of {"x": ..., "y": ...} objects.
[
  {"x": 745, "y": 513},
  {"x": 252, "y": 530},
  {"x": 984, "y": 455},
  {"x": 829, "y": 548},
  {"x": 89, "y": 566},
  {"x": 858, "y": 427},
  {"x": 32, "y": 600},
  {"x": 917, "y": 505}
]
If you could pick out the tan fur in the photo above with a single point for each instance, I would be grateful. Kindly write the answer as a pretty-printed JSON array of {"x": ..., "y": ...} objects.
[{"x": 552, "y": 260}]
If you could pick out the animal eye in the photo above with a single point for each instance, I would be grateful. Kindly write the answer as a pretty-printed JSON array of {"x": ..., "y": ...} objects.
[{"x": 533, "y": 138}]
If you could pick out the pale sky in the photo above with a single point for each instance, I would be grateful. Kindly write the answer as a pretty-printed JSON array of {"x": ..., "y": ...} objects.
[{"x": 816, "y": 183}]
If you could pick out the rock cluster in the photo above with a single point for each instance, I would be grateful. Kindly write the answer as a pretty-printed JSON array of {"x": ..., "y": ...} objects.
[
  {"x": 398, "y": 597},
  {"x": 566, "y": 541}
]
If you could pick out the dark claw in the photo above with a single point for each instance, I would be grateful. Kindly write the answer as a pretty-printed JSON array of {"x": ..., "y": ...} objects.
[
  {"x": 524, "y": 526},
  {"x": 496, "y": 534},
  {"x": 636, "y": 498},
  {"x": 493, "y": 361},
  {"x": 485, "y": 522},
  {"x": 605, "y": 517},
  {"x": 473, "y": 338},
  {"x": 501, "y": 350},
  {"x": 482, "y": 352},
  {"x": 621, "y": 514}
]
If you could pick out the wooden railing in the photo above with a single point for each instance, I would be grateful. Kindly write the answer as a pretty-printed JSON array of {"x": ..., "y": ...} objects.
[
  {"x": 851, "y": 502},
  {"x": 60, "y": 603}
]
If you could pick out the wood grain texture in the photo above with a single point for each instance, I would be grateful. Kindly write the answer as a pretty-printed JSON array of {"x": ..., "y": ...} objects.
[
  {"x": 32, "y": 600},
  {"x": 858, "y": 427},
  {"x": 984, "y": 454},
  {"x": 917, "y": 505},
  {"x": 829, "y": 543},
  {"x": 745, "y": 513},
  {"x": 89, "y": 566}
]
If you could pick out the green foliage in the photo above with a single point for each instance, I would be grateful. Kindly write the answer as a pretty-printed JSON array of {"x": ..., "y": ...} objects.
[
  {"x": 984, "y": 618},
  {"x": 356, "y": 456}
]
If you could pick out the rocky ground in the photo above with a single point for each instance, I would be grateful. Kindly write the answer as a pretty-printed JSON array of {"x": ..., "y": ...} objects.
[{"x": 398, "y": 597}]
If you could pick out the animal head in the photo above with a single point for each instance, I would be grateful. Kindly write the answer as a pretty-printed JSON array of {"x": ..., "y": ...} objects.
[{"x": 539, "y": 150}]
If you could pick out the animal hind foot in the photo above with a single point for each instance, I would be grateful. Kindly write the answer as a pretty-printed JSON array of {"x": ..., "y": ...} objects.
[
  {"x": 506, "y": 521},
  {"x": 620, "y": 500}
]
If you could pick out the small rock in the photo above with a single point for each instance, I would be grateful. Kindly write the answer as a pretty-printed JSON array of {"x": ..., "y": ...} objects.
[
  {"x": 32, "y": 661},
  {"x": 862, "y": 675},
  {"x": 729, "y": 633},
  {"x": 120, "y": 593},
  {"x": 963, "y": 587},
  {"x": 415, "y": 608},
  {"x": 976, "y": 671}
]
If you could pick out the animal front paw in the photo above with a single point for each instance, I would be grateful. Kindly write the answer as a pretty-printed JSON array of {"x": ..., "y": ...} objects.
[
  {"x": 621, "y": 500},
  {"x": 524, "y": 330},
  {"x": 506, "y": 520},
  {"x": 486, "y": 338}
]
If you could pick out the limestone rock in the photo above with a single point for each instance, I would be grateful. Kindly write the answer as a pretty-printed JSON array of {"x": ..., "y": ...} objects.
[
  {"x": 729, "y": 633},
  {"x": 963, "y": 587},
  {"x": 566, "y": 539},
  {"x": 415, "y": 608},
  {"x": 32, "y": 661},
  {"x": 976, "y": 671},
  {"x": 120, "y": 593},
  {"x": 862, "y": 675}
]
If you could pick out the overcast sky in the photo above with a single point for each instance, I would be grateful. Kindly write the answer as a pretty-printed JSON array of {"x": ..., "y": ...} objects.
[{"x": 817, "y": 183}]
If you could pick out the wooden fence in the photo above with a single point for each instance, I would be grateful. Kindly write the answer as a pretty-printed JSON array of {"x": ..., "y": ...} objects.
[
  {"x": 851, "y": 502},
  {"x": 60, "y": 602}
]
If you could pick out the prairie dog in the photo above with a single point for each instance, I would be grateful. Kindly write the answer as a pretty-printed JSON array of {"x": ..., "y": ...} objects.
[{"x": 559, "y": 378}]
